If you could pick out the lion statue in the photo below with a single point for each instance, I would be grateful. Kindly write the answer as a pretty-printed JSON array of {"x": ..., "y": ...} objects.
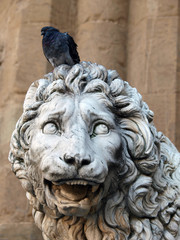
[{"x": 91, "y": 161}]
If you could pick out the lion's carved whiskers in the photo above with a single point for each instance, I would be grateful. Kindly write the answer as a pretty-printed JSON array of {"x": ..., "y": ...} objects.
[{"x": 91, "y": 161}]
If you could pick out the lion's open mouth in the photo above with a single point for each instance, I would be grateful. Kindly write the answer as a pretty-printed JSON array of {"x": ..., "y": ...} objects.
[
  {"x": 74, "y": 197},
  {"x": 74, "y": 190}
]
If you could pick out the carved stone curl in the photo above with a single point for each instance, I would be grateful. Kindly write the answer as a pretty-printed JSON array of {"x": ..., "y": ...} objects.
[{"x": 91, "y": 161}]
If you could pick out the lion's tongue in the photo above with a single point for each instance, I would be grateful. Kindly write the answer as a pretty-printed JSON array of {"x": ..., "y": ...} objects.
[{"x": 71, "y": 192}]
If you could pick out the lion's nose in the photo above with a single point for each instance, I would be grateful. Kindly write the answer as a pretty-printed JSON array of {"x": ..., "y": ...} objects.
[{"x": 77, "y": 160}]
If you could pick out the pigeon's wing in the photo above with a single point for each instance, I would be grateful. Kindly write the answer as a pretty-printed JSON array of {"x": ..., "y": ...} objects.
[
  {"x": 72, "y": 48},
  {"x": 51, "y": 45}
]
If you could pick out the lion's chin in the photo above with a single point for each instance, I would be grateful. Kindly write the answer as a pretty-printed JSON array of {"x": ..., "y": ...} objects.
[{"x": 75, "y": 197}]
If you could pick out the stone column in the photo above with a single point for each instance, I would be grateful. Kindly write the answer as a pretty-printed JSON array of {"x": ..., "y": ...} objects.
[
  {"x": 102, "y": 31},
  {"x": 152, "y": 60}
]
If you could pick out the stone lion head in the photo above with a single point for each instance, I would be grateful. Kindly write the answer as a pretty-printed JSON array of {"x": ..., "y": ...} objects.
[{"x": 91, "y": 161}]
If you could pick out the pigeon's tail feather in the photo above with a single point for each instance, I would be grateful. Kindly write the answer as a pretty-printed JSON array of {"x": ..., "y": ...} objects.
[{"x": 73, "y": 49}]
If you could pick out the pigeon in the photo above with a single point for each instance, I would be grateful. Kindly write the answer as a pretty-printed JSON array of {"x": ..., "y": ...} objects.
[{"x": 59, "y": 48}]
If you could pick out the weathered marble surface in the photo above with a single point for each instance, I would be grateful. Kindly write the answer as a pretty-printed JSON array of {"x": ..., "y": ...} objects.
[{"x": 91, "y": 161}]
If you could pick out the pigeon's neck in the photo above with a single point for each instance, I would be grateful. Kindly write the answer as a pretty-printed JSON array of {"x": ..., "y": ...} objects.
[{"x": 50, "y": 38}]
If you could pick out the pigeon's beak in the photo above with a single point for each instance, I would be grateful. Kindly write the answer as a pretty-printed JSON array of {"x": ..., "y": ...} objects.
[{"x": 42, "y": 33}]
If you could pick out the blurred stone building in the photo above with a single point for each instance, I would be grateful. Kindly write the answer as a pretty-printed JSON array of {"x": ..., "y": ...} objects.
[{"x": 138, "y": 38}]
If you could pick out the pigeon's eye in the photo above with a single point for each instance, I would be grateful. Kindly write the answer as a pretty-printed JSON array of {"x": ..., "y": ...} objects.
[
  {"x": 50, "y": 128},
  {"x": 100, "y": 129}
]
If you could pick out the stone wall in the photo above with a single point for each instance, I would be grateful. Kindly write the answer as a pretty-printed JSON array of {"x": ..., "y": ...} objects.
[
  {"x": 153, "y": 58},
  {"x": 138, "y": 38}
]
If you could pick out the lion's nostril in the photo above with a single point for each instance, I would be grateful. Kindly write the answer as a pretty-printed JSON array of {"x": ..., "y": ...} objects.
[
  {"x": 69, "y": 159},
  {"x": 86, "y": 162}
]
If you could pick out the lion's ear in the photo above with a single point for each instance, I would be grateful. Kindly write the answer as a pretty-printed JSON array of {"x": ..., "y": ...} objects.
[
  {"x": 35, "y": 92},
  {"x": 30, "y": 96}
]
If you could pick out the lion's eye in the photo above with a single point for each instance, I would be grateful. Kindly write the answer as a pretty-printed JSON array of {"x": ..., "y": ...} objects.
[
  {"x": 100, "y": 129},
  {"x": 50, "y": 128}
]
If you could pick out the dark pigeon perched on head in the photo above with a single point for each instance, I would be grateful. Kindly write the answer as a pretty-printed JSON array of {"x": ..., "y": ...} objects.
[{"x": 59, "y": 48}]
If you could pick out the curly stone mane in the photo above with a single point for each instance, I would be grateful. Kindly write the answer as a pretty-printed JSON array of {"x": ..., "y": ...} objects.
[{"x": 145, "y": 201}]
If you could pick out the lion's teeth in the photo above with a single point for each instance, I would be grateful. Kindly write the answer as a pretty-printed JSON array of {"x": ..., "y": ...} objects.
[
  {"x": 78, "y": 182},
  {"x": 95, "y": 188}
]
